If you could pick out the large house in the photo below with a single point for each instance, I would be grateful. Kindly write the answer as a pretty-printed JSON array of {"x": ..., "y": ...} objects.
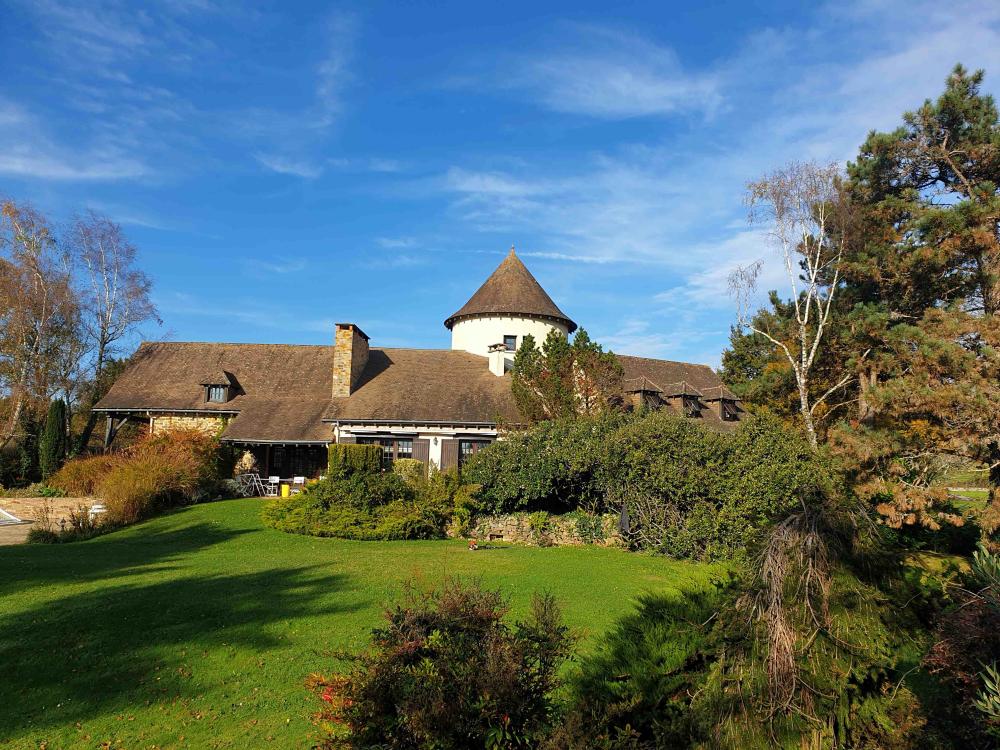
[{"x": 287, "y": 402}]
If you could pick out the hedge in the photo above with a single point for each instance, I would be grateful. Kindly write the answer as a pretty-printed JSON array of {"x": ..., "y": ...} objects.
[{"x": 349, "y": 458}]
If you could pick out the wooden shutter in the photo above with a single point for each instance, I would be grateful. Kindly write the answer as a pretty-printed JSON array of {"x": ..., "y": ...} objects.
[
  {"x": 449, "y": 454},
  {"x": 422, "y": 450}
]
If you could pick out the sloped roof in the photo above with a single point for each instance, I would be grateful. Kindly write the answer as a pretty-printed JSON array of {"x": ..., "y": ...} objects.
[
  {"x": 426, "y": 385},
  {"x": 285, "y": 390},
  {"x": 511, "y": 290}
]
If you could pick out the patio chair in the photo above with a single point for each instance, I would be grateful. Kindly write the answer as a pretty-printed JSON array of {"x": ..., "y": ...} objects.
[
  {"x": 298, "y": 484},
  {"x": 273, "y": 486}
]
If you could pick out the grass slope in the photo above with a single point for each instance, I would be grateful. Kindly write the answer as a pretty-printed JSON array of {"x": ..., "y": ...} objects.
[{"x": 196, "y": 629}]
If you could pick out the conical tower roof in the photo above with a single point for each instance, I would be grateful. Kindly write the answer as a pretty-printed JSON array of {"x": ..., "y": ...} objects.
[{"x": 511, "y": 290}]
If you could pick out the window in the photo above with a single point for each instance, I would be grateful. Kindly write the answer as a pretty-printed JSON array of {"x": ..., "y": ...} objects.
[
  {"x": 730, "y": 412},
  {"x": 468, "y": 448},
  {"x": 691, "y": 407},
  {"x": 217, "y": 394},
  {"x": 392, "y": 449},
  {"x": 510, "y": 343}
]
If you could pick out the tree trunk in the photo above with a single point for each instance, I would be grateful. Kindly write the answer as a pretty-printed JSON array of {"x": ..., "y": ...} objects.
[
  {"x": 88, "y": 428},
  {"x": 807, "y": 415}
]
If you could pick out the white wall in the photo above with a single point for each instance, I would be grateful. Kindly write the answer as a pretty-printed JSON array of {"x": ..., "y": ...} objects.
[
  {"x": 476, "y": 335},
  {"x": 432, "y": 433}
]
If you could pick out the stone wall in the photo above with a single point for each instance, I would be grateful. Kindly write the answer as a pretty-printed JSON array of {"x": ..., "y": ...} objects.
[
  {"x": 544, "y": 530},
  {"x": 210, "y": 425}
]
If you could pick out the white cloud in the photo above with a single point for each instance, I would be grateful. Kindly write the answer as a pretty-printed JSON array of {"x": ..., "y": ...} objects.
[
  {"x": 612, "y": 74},
  {"x": 279, "y": 265},
  {"x": 289, "y": 165},
  {"x": 395, "y": 243}
]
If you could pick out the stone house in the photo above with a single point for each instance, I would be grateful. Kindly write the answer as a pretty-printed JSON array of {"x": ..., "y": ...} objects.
[{"x": 287, "y": 402}]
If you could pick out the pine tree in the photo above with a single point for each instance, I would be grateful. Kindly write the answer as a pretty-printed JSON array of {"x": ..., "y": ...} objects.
[
  {"x": 52, "y": 447},
  {"x": 564, "y": 379}
]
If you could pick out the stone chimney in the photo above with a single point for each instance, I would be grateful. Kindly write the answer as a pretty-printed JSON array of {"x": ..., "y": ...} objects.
[
  {"x": 498, "y": 358},
  {"x": 350, "y": 355}
]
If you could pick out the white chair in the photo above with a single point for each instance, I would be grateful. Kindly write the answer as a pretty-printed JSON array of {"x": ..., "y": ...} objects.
[
  {"x": 273, "y": 487},
  {"x": 298, "y": 484}
]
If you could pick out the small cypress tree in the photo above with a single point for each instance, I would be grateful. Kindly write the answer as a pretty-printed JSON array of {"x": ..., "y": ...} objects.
[{"x": 52, "y": 446}]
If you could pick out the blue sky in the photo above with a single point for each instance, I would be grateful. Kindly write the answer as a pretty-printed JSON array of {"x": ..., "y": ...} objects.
[{"x": 284, "y": 166}]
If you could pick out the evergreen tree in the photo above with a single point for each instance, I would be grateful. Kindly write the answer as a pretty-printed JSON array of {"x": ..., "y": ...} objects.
[
  {"x": 916, "y": 326},
  {"x": 564, "y": 379},
  {"x": 52, "y": 446}
]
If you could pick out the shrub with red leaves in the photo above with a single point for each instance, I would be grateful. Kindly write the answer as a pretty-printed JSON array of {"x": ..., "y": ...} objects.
[{"x": 447, "y": 672}]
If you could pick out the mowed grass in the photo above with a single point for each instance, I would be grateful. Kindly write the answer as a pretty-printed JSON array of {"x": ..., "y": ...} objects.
[{"x": 197, "y": 629}]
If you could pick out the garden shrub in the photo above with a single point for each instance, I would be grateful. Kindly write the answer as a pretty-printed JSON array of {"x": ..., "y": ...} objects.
[
  {"x": 410, "y": 469},
  {"x": 351, "y": 458},
  {"x": 366, "y": 507},
  {"x": 447, "y": 671},
  {"x": 687, "y": 491},
  {"x": 555, "y": 466},
  {"x": 768, "y": 470},
  {"x": 81, "y": 477},
  {"x": 38, "y": 489},
  {"x": 162, "y": 470}
]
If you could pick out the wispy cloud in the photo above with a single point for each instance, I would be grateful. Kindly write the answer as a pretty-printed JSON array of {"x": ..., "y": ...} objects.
[
  {"x": 278, "y": 265},
  {"x": 613, "y": 74},
  {"x": 395, "y": 243},
  {"x": 289, "y": 165}
]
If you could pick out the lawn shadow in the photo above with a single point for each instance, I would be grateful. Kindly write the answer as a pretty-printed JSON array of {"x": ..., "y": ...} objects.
[
  {"x": 110, "y": 650},
  {"x": 145, "y": 547}
]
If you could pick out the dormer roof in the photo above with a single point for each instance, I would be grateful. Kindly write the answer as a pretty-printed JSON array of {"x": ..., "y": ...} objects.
[
  {"x": 511, "y": 290},
  {"x": 217, "y": 377}
]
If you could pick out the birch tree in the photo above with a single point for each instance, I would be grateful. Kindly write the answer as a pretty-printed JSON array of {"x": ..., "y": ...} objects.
[
  {"x": 114, "y": 293},
  {"x": 806, "y": 214}
]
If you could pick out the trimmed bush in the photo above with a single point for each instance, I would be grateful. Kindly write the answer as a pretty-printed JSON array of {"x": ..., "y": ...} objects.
[
  {"x": 373, "y": 507},
  {"x": 52, "y": 446},
  {"x": 447, "y": 672},
  {"x": 410, "y": 469},
  {"x": 350, "y": 458}
]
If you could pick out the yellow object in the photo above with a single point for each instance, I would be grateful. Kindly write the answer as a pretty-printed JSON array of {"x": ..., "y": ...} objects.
[{"x": 285, "y": 490}]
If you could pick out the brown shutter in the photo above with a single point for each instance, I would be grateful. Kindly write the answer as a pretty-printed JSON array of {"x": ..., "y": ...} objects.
[
  {"x": 449, "y": 454},
  {"x": 422, "y": 450},
  {"x": 347, "y": 439}
]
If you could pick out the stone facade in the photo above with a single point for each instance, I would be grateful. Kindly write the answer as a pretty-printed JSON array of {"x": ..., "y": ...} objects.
[
  {"x": 541, "y": 529},
  {"x": 210, "y": 425},
  {"x": 350, "y": 355}
]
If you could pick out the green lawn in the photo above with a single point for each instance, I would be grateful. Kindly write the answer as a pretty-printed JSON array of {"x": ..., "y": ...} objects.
[{"x": 197, "y": 629}]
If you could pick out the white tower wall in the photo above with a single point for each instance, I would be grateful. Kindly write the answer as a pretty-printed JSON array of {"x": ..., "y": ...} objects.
[{"x": 476, "y": 335}]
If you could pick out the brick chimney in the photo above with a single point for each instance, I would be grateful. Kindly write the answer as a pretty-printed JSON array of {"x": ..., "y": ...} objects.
[{"x": 350, "y": 355}]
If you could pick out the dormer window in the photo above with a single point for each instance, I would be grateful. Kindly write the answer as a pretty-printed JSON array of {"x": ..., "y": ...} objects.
[
  {"x": 730, "y": 411},
  {"x": 217, "y": 394},
  {"x": 510, "y": 343},
  {"x": 220, "y": 386}
]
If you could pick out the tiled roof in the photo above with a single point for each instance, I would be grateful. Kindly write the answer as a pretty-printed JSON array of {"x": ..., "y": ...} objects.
[
  {"x": 284, "y": 391},
  {"x": 511, "y": 290}
]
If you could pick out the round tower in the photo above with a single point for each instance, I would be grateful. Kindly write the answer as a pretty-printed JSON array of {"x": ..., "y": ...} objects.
[{"x": 508, "y": 306}]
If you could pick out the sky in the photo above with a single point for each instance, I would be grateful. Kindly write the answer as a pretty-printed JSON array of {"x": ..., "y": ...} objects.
[{"x": 285, "y": 166}]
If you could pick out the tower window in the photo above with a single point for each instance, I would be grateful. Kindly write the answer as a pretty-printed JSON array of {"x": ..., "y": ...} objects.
[{"x": 510, "y": 343}]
